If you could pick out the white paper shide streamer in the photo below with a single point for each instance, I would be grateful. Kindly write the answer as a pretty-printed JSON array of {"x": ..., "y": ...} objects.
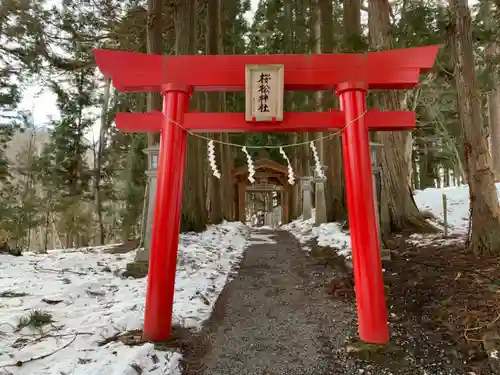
[
  {"x": 317, "y": 164},
  {"x": 291, "y": 176},
  {"x": 211, "y": 159},
  {"x": 251, "y": 167}
]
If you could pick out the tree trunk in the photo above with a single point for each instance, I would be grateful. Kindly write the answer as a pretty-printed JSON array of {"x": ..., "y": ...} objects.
[
  {"x": 227, "y": 164},
  {"x": 399, "y": 211},
  {"x": 336, "y": 206},
  {"x": 98, "y": 159},
  {"x": 27, "y": 185},
  {"x": 154, "y": 45},
  {"x": 305, "y": 154},
  {"x": 452, "y": 147},
  {"x": 48, "y": 212},
  {"x": 494, "y": 94},
  {"x": 494, "y": 122},
  {"x": 426, "y": 164},
  {"x": 352, "y": 25},
  {"x": 422, "y": 165},
  {"x": 213, "y": 105},
  {"x": 485, "y": 222},
  {"x": 446, "y": 179},
  {"x": 318, "y": 95},
  {"x": 416, "y": 180},
  {"x": 194, "y": 213},
  {"x": 227, "y": 160}
]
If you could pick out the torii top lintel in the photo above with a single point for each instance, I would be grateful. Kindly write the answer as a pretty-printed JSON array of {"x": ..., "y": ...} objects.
[{"x": 393, "y": 69}]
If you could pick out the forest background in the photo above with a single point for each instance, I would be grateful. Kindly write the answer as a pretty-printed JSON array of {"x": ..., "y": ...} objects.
[{"x": 76, "y": 181}]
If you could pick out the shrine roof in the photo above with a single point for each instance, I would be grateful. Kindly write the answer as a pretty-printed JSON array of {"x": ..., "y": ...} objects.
[
  {"x": 260, "y": 165},
  {"x": 393, "y": 69}
]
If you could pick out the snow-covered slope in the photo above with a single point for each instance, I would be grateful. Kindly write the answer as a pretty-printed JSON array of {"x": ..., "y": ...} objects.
[
  {"x": 457, "y": 201},
  {"x": 329, "y": 234},
  {"x": 88, "y": 301}
]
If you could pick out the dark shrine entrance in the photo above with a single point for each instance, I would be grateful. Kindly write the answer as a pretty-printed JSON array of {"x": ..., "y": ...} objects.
[{"x": 271, "y": 183}]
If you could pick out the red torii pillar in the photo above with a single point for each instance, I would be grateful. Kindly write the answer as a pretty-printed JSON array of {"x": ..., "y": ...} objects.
[{"x": 350, "y": 75}]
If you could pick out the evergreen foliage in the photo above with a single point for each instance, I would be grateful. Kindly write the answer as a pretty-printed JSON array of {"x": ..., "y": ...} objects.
[{"x": 50, "y": 193}]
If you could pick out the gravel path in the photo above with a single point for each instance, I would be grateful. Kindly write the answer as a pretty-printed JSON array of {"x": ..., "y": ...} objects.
[{"x": 276, "y": 319}]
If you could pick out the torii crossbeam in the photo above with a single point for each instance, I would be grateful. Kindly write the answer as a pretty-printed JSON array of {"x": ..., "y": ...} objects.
[{"x": 350, "y": 75}]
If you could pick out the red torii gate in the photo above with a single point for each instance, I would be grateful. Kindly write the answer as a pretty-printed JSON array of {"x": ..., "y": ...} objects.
[{"x": 350, "y": 75}]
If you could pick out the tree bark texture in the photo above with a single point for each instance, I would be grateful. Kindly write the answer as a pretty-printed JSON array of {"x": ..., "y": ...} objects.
[
  {"x": 336, "y": 206},
  {"x": 194, "y": 213},
  {"x": 213, "y": 105},
  {"x": 318, "y": 95},
  {"x": 352, "y": 25},
  {"x": 225, "y": 12},
  {"x": 103, "y": 131},
  {"x": 154, "y": 45},
  {"x": 493, "y": 96},
  {"x": 485, "y": 222},
  {"x": 399, "y": 211},
  {"x": 494, "y": 122}
]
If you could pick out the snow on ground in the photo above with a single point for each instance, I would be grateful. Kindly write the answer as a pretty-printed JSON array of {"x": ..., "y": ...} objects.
[
  {"x": 261, "y": 239},
  {"x": 457, "y": 201},
  {"x": 330, "y": 234},
  {"x": 89, "y": 301}
]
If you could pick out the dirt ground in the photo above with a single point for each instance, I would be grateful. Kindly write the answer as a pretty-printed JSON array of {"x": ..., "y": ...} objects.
[
  {"x": 289, "y": 312},
  {"x": 444, "y": 304},
  {"x": 453, "y": 297}
]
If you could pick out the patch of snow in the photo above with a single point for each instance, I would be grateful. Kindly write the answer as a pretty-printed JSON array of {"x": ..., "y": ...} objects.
[
  {"x": 95, "y": 303},
  {"x": 302, "y": 229},
  {"x": 261, "y": 239},
  {"x": 457, "y": 203},
  {"x": 265, "y": 227},
  {"x": 330, "y": 234},
  {"x": 494, "y": 354}
]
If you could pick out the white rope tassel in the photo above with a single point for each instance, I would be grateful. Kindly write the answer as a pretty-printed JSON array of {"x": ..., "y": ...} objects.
[
  {"x": 251, "y": 168},
  {"x": 211, "y": 159},
  {"x": 291, "y": 176},
  {"x": 317, "y": 164}
]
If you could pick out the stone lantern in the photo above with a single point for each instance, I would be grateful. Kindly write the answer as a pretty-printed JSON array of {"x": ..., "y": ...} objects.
[
  {"x": 374, "y": 147},
  {"x": 319, "y": 197},
  {"x": 306, "y": 197},
  {"x": 152, "y": 173},
  {"x": 377, "y": 188},
  {"x": 152, "y": 154}
]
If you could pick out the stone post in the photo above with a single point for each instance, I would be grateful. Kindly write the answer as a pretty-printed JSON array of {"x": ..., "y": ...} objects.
[
  {"x": 268, "y": 217},
  {"x": 152, "y": 156},
  {"x": 376, "y": 181},
  {"x": 306, "y": 198},
  {"x": 320, "y": 200},
  {"x": 297, "y": 190}
]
